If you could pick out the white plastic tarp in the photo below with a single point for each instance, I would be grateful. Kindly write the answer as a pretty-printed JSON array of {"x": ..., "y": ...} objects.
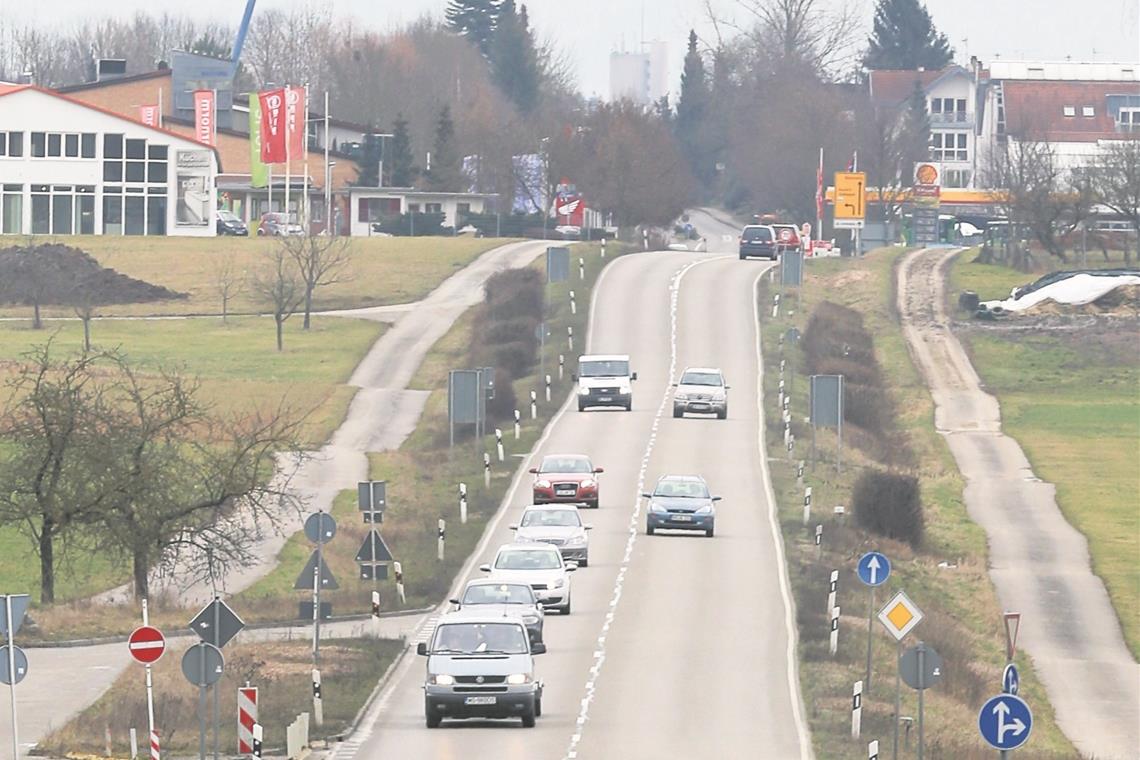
[{"x": 1077, "y": 290}]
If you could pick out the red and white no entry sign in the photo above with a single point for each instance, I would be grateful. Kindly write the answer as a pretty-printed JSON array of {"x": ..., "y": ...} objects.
[{"x": 146, "y": 644}]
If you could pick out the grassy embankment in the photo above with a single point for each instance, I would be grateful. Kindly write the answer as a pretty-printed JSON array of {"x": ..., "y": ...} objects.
[
  {"x": 281, "y": 670},
  {"x": 963, "y": 620},
  {"x": 423, "y": 475},
  {"x": 236, "y": 364},
  {"x": 1071, "y": 398}
]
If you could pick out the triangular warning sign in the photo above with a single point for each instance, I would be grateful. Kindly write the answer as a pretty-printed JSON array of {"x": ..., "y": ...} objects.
[
  {"x": 374, "y": 549},
  {"x": 305, "y": 579}
]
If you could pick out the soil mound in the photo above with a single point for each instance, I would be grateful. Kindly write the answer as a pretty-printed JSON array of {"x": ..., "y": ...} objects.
[{"x": 53, "y": 273}]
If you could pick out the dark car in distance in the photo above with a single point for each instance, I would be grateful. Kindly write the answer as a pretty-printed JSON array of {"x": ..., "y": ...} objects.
[
  {"x": 758, "y": 240},
  {"x": 229, "y": 223}
]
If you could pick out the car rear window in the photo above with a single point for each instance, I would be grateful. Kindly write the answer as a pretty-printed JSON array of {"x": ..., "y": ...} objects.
[{"x": 757, "y": 234}]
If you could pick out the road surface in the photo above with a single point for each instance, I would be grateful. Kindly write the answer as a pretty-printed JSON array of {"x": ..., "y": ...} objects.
[
  {"x": 668, "y": 632},
  {"x": 1039, "y": 563}
]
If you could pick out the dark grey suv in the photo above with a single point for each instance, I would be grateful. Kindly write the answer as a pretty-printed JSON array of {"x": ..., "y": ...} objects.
[{"x": 758, "y": 240}]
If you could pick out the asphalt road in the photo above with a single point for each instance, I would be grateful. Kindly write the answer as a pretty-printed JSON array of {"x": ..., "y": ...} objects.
[{"x": 668, "y": 632}]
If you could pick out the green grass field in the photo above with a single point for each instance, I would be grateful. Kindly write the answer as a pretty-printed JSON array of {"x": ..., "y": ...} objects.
[
  {"x": 381, "y": 270},
  {"x": 963, "y": 615}
]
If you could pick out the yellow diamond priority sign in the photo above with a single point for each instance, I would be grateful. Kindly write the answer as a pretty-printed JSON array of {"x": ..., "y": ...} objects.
[{"x": 900, "y": 615}]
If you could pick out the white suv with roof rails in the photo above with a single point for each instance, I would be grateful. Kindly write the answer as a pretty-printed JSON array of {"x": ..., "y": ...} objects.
[{"x": 701, "y": 390}]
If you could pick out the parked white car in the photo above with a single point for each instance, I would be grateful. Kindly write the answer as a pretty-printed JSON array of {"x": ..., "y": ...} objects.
[
  {"x": 541, "y": 566},
  {"x": 559, "y": 526}
]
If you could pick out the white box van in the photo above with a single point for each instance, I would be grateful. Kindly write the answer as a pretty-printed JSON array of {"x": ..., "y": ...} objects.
[{"x": 604, "y": 380}]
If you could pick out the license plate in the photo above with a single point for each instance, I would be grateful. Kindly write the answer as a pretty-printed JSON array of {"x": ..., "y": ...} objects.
[
  {"x": 681, "y": 518},
  {"x": 479, "y": 701},
  {"x": 605, "y": 398},
  {"x": 566, "y": 491}
]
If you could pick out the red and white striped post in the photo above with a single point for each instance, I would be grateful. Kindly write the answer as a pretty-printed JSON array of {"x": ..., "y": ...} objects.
[
  {"x": 155, "y": 754},
  {"x": 247, "y": 718}
]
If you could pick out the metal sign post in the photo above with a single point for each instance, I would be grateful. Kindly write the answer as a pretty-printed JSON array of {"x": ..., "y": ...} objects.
[
  {"x": 149, "y": 678},
  {"x": 899, "y": 616},
  {"x": 11, "y": 624},
  {"x": 873, "y": 570}
]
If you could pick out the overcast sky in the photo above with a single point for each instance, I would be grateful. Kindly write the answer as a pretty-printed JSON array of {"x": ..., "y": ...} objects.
[{"x": 588, "y": 30}]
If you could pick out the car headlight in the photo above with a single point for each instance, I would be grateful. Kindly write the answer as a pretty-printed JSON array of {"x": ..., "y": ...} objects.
[
  {"x": 517, "y": 679},
  {"x": 656, "y": 507},
  {"x": 542, "y": 484},
  {"x": 589, "y": 483},
  {"x": 705, "y": 509},
  {"x": 560, "y": 583},
  {"x": 576, "y": 541},
  {"x": 583, "y": 390},
  {"x": 443, "y": 679},
  {"x": 625, "y": 389},
  {"x": 530, "y": 619}
]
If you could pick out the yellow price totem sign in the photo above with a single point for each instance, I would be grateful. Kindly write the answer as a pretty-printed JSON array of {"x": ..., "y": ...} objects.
[{"x": 850, "y": 199}]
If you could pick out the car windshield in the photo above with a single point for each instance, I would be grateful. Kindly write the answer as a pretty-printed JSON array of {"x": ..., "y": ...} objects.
[
  {"x": 607, "y": 368},
  {"x": 551, "y": 518},
  {"x": 528, "y": 559},
  {"x": 474, "y": 638},
  {"x": 228, "y": 216},
  {"x": 702, "y": 378},
  {"x": 691, "y": 489},
  {"x": 757, "y": 233},
  {"x": 566, "y": 464},
  {"x": 498, "y": 593}
]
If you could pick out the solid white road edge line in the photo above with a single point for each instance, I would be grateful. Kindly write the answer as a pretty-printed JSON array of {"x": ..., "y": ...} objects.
[
  {"x": 794, "y": 694},
  {"x": 634, "y": 518},
  {"x": 365, "y": 731}
]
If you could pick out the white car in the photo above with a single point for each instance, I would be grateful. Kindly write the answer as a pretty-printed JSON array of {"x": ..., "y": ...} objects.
[
  {"x": 559, "y": 526},
  {"x": 701, "y": 390},
  {"x": 539, "y": 565}
]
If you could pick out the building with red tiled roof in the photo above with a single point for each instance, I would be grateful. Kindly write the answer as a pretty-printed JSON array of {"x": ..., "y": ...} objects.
[{"x": 68, "y": 167}]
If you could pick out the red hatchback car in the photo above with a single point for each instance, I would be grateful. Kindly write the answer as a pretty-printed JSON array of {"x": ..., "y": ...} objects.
[{"x": 566, "y": 479}]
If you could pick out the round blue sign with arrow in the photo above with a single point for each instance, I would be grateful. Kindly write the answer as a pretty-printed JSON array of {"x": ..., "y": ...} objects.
[
  {"x": 1010, "y": 680},
  {"x": 874, "y": 568},
  {"x": 1005, "y": 722}
]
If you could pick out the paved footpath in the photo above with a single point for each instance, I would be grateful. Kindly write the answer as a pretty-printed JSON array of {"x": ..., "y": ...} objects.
[
  {"x": 63, "y": 681},
  {"x": 1039, "y": 563}
]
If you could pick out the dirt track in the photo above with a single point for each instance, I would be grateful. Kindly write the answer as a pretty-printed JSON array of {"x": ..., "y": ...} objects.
[{"x": 1038, "y": 562}]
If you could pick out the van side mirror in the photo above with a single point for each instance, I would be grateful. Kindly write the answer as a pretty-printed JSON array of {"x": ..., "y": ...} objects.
[
  {"x": 587, "y": 526},
  {"x": 571, "y": 566},
  {"x": 421, "y": 649},
  {"x": 514, "y": 527},
  {"x": 454, "y": 601},
  {"x": 598, "y": 470},
  {"x": 647, "y": 495},
  {"x": 538, "y": 648},
  {"x": 717, "y": 498},
  {"x": 574, "y": 377},
  {"x": 633, "y": 376},
  {"x": 484, "y": 568},
  {"x": 533, "y": 470}
]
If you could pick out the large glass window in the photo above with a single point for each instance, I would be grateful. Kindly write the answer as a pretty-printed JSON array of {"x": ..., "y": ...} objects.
[
  {"x": 136, "y": 148},
  {"x": 87, "y": 147},
  {"x": 134, "y": 215},
  {"x": 136, "y": 171},
  {"x": 39, "y": 144},
  {"x": 61, "y": 211},
  {"x": 85, "y": 210},
  {"x": 12, "y": 210},
  {"x": 54, "y": 145},
  {"x": 41, "y": 211},
  {"x": 15, "y": 142},
  {"x": 112, "y": 146},
  {"x": 71, "y": 145},
  {"x": 112, "y": 213},
  {"x": 112, "y": 171},
  {"x": 156, "y": 215}
]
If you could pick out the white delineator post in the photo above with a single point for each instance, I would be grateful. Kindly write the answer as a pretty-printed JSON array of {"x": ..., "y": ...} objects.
[
  {"x": 150, "y": 694},
  {"x": 134, "y": 736},
  {"x": 534, "y": 405},
  {"x": 442, "y": 534},
  {"x": 463, "y": 503},
  {"x": 807, "y": 505},
  {"x": 548, "y": 389},
  {"x": 834, "y": 646},
  {"x": 486, "y": 470},
  {"x": 499, "y": 444},
  {"x": 570, "y": 337},
  {"x": 518, "y": 426},
  {"x": 399, "y": 582},
  {"x": 318, "y": 703},
  {"x": 873, "y": 750},
  {"x": 581, "y": 268},
  {"x": 561, "y": 366},
  {"x": 603, "y": 248},
  {"x": 258, "y": 737},
  {"x": 857, "y": 710},
  {"x": 573, "y": 303},
  {"x": 832, "y": 589}
]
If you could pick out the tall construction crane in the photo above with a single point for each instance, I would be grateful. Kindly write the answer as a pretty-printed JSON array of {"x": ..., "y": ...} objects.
[{"x": 240, "y": 41}]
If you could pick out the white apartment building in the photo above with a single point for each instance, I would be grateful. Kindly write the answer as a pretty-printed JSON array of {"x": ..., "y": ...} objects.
[
  {"x": 641, "y": 77},
  {"x": 67, "y": 167}
]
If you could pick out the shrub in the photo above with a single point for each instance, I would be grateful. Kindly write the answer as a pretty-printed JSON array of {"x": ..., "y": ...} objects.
[
  {"x": 515, "y": 358},
  {"x": 520, "y": 329},
  {"x": 890, "y": 505},
  {"x": 514, "y": 293},
  {"x": 867, "y": 406},
  {"x": 502, "y": 406},
  {"x": 859, "y": 373}
]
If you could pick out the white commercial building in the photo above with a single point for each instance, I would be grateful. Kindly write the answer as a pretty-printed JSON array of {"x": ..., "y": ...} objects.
[
  {"x": 374, "y": 205},
  {"x": 67, "y": 167}
]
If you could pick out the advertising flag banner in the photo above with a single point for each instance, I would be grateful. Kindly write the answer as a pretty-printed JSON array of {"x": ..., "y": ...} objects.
[
  {"x": 204, "y": 116},
  {"x": 149, "y": 115},
  {"x": 273, "y": 126},
  {"x": 258, "y": 171},
  {"x": 295, "y": 120}
]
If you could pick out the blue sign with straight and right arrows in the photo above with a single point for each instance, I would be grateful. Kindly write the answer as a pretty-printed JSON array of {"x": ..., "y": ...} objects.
[
  {"x": 1005, "y": 722},
  {"x": 874, "y": 568}
]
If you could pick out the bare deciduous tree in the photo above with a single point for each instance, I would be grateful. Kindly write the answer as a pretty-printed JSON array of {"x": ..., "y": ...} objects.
[
  {"x": 320, "y": 260},
  {"x": 279, "y": 285},
  {"x": 229, "y": 282},
  {"x": 804, "y": 31},
  {"x": 1116, "y": 182}
]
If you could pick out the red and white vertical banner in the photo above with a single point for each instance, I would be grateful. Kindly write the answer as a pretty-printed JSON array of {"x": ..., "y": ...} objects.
[
  {"x": 204, "y": 114},
  {"x": 273, "y": 126},
  {"x": 154, "y": 748},
  {"x": 295, "y": 120},
  {"x": 247, "y": 718},
  {"x": 149, "y": 115}
]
